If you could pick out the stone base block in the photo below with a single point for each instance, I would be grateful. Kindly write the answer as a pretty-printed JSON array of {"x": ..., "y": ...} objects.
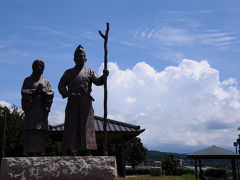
[
  {"x": 156, "y": 171},
  {"x": 59, "y": 168}
]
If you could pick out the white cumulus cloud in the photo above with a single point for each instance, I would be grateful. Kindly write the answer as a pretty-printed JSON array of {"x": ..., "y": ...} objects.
[
  {"x": 4, "y": 103},
  {"x": 56, "y": 117},
  {"x": 184, "y": 105}
]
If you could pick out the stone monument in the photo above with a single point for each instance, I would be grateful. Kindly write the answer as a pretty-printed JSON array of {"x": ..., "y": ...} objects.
[
  {"x": 59, "y": 168},
  {"x": 79, "y": 130},
  {"x": 37, "y": 97}
]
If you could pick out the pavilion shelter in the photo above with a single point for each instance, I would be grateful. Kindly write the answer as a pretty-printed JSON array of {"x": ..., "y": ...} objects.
[
  {"x": 213, "y": 152},
  {"x": 118, "y": 133}
]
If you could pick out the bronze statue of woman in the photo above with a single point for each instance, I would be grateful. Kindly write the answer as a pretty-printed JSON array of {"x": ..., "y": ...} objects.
[{"x": 37, "y": 97}]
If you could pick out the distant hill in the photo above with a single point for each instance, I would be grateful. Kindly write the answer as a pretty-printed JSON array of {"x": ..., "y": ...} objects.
[{"x": 158, "y": 155}]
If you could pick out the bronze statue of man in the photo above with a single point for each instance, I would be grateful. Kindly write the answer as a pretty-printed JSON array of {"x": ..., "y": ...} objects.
[
  {"x": 76, "y": 85},
  {"x": 37, "y": 97}
]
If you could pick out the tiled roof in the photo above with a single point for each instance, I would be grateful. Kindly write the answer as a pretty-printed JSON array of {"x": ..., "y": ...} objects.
[
  {"x": 112, "y": 126},
  {"x": 213, "y": 152}
]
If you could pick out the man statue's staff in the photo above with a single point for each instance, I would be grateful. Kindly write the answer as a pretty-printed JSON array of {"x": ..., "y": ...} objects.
[{"x": 105, "y": 37}]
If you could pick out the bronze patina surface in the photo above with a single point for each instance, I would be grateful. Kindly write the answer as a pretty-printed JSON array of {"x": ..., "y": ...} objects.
[
  {"x": 37, "y": 97},
  {"x": 76, "y": 85}
]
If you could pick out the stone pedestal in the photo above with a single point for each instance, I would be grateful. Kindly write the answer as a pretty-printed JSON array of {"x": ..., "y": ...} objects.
[
  {"x": 156, "y": 171},
  {"x": 59, "y": 168}
]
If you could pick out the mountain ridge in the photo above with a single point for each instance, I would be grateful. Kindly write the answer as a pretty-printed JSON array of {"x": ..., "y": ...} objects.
[{"x": 155, "y": 155}]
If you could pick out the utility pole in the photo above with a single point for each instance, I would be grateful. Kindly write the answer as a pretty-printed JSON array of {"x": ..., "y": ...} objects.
[{"x": 3, "y": 114}]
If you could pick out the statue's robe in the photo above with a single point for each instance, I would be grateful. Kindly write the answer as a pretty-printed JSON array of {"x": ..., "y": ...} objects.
[
  {"x": 79, "y": 128},
  {"x": 36, "y": 108}
]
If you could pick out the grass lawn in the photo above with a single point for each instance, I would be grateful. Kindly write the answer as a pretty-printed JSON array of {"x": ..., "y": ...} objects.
[{"x": 148, "y": 177}]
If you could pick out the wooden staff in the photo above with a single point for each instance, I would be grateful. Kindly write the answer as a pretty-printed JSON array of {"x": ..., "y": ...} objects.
[{"x": 105, "y": 37}]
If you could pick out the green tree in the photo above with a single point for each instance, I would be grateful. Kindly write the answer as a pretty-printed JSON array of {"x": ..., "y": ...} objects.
[
  {"x": 135, "y": 152},
  {"x": 169, "y": 164},
  {"x": 13, "y": 131},
  {"x": 53, "y": 147},
  {"x": 14, "y": 137}
]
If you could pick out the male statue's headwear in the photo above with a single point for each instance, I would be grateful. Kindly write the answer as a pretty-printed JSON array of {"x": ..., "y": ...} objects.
[{"x": 78, "y": 50}]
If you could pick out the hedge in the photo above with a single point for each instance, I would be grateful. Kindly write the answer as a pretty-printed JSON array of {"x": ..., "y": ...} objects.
[
  {"x": 183, "y": 170},
  {"x": 216, "y": 172}
]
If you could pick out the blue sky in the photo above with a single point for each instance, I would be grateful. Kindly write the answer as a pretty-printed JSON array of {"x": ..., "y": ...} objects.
[{"x": 195, "y": 100}]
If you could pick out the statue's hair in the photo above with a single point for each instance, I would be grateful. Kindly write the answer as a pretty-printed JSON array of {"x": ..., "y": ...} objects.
[
  {"x": 38, "y": 61},
  {"x": 78, "y": 50}
]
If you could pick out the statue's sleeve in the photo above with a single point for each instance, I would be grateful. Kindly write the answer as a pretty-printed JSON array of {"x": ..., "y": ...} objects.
[
  {"x": 25, "y": 87},
  {"x": 62, "y": 85},
  {"x": 27, "y": 96},
  {"x": 98, "y": 81},
  {"x": 49, "y": 93}
]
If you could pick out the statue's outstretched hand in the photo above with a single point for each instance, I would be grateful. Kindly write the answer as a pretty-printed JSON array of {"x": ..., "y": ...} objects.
[{"x": 105, "y": 73}]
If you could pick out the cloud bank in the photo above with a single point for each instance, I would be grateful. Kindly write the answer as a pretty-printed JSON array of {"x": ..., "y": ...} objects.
[{"x": 182, "y": 106}]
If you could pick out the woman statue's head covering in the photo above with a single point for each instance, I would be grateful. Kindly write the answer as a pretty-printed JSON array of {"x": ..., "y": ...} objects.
[{"x": 36, "y": 62}]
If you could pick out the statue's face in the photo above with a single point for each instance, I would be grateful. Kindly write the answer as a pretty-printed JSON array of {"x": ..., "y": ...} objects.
[
  {"x": 80, "y": 58},
  {"x": 38, "y": 68}
]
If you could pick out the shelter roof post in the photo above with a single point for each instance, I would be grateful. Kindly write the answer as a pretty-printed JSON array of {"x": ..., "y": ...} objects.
[
  {"x": 201, "y": 177},
  {"x": 196, "y": 170},
  {"x": 121, "y": 159},
  {"x": 234, "y": 174}
]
